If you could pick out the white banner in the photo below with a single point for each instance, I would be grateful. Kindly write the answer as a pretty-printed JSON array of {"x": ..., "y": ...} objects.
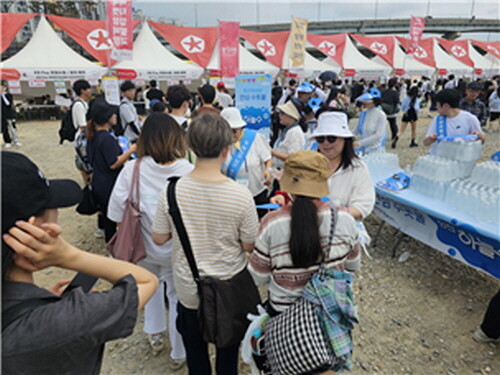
[
  {"x": 110, "y": 86},
  {"x": 36, "y": 83}
]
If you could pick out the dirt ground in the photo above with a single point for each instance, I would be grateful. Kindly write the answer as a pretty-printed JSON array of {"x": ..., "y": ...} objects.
[{"x": 416, "y": 317}]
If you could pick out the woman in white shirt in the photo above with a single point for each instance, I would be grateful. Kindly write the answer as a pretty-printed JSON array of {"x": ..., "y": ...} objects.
[
  {"x": 291, "y": 138},
  {"x": 372, "y": 123},
  {"x": 249, "y": 160},
  {"x": 161, "y": 149}
]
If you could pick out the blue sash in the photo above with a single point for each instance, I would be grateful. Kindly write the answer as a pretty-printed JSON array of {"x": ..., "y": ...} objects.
[
  {"x": 241, "y": 154},
  {"x": 360, "y": 128},
  {"x": 361, "y": 122},
  {"x": 441, "y": 127}
]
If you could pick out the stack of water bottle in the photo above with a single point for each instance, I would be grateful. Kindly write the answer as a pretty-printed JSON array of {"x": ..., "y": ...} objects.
[
  {"x": 381, "y": 164},
  {"x": 432, "y": 174},
  {"x": 478, "y": 195}
]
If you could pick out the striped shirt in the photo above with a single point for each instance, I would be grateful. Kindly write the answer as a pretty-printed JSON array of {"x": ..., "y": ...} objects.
[
  {"x": 271, "y": 262},
  {"x": 218, "y": 217}
]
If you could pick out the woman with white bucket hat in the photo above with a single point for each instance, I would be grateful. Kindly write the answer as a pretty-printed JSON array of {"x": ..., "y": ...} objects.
[{"x": 249, "y": 160}]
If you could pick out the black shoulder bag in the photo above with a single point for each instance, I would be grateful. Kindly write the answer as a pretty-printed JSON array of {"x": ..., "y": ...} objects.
[{"x": 224, "y": 304}]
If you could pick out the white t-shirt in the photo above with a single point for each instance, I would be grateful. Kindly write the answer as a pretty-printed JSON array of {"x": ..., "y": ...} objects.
[
  {"x": 153, "y": 178},
  {"x": 353, "y": 187},
  {"x": 293, "y": 141},
  {"x": 374, "y": 128},
  {"x": 224, "y": 99},
  {"x": 253, "y": 167},
  {"x": 79, "y": 113},
  {"x": 463, "y": 123},
  {"x": 450, "y": 84},
  {"x": 217, "y": 217},
  {"x": 494, "y": 100}
]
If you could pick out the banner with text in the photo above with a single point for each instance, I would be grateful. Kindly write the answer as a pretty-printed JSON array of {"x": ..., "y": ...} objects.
[
  {"x": 253, "y": 99},
  {"x": 120, "y": 29},
  {"x": 229, "y": 33},
  {"x": 298, "y": 40},
  {"x": 417, "y": 26},
  {"x": 460, "y": 241}
]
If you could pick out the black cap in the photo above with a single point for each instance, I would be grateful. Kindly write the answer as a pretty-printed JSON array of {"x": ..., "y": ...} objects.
[
  {"x": 26, "y": 191},
  {"x": 475, "y": 86},
  {"x": 102, "y": 111}
]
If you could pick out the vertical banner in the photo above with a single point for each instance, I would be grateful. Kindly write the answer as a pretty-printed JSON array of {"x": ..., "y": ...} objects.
[
  {"x": 120, "y": 30},
  {"x": 298, "y": 39},
  {"x": 229, "y": 33},
  {"x": 253, "y": 99},
  {"x": 111, "y": 89},
  {"x": 417, "y": 26}
]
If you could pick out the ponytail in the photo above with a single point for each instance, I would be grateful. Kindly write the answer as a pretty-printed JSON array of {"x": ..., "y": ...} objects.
[
  {"x": 90, "y": 133},
  {"x": 305, "y": 239}
]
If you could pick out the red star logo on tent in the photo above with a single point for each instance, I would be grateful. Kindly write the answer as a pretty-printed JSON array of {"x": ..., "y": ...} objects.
[
  {"x": 193, "y": 44},
  {"x": 458, "y": 51},
  {"x": 99, "y": 39},
  {"x": 420, "y": 53},
  {"x": 266, "y": 48},
  {"x": 328, "y": 48},
  {"x": 379, "y": 48}
]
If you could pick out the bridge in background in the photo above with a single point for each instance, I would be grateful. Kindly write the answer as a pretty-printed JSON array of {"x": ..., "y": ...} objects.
[{"x": 449, "y": 28}]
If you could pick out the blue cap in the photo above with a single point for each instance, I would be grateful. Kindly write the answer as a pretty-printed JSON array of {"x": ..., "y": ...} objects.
[
  {"x": 375, "y": 92},
  {"x": 369, "y": 95},
  {"x": 152, "y": 103},
  {"x": 306, "y": 87},
  {"x": 315, "y": 103}
]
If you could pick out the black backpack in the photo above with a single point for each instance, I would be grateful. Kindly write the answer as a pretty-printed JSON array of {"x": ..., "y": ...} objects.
[
  {"x": 67, "y": 130},
  {"x": 119, "y": 129}
]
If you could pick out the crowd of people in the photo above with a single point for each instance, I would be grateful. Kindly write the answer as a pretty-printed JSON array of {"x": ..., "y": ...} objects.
[{"x": 310, "y": 167}]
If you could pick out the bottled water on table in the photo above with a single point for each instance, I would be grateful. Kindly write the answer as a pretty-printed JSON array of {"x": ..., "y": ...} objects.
[
  {"x": 460, "y": 150},
  {"x": 381, "y": 164}
]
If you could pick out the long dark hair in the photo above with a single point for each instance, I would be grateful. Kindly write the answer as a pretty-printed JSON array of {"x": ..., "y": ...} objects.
[{"x": 305, "y": 238}]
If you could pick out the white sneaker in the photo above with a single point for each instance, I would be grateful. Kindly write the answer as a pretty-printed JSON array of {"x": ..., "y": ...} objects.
[
  {"x": 480, "y": 336},
  {"x": 176, "y": 364},
  {"x": 7, "y": 145},
  {"x": 99, "y": 233},
  {"x": 156, "y": 342},
  {"x": 18, "y": 144}
]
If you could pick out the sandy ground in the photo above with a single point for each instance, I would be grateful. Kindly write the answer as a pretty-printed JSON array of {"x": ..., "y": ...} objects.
[{"x": 416, "y": 317}]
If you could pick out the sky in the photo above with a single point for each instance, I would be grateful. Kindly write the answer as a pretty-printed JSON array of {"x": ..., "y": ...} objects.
[{"x": 247, "y": 12}]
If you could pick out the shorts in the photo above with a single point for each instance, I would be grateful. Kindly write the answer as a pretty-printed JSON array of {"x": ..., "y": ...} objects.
[
  {"x": 409, "y": 116},
  {"x": 494, "y": 116}
]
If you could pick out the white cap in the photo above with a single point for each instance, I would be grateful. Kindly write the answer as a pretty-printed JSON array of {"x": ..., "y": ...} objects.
[
  {"x": 332, "y": 123},
  {"x": 233, "y": 116}
]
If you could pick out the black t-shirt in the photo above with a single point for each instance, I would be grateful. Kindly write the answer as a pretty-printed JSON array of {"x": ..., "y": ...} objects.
[
  {"x": 103, "y": 150},
  {"x": 65, "y": 337},
  {"x": 154, "y": 93}
]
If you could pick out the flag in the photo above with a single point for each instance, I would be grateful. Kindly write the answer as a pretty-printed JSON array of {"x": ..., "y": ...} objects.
[
  {"x": 229, "y": 33},
  {"x": 417, "y": 26},
  {"x": 271, "y": 45},
  {"x": 298, "y": 40},
  {"x": 10, "y": 24},
  {"x": 120, "y": 30}
]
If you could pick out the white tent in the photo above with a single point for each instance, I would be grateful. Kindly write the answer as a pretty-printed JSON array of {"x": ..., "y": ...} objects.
[
  {"x": 447, "y": 64},
  {"x": 358, "y": 65},
  {"x": 153, "y": 61},
  {"x": 488, "y": 63},
  {"x": 47, "y": 57},
  {"x": 406, "y": 63},
  {"x": 249, "y": 63},
  {"x": 312, "y": 66}
]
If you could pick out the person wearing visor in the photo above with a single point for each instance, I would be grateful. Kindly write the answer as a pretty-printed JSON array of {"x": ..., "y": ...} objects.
[
  {"x": 47, "y": 331},
  {"x": 291, "y": 138},
  {"x": 371, "y": 127},
  {"x": 249, "y": 159}
]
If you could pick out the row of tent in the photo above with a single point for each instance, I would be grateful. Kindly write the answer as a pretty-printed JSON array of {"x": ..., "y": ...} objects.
[{"x": 47, "y": 57}]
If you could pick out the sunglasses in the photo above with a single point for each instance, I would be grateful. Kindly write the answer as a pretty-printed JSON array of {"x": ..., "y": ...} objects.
[{"x": 329, "y": 138}]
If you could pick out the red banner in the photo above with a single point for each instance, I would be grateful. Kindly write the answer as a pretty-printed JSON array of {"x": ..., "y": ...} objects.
[
  {"x": 424, "y": 51},
  {"x": 271, "y": 45},
  {"x": 92, "y": 36},
  {"x": 382, "y": 46},
  {"x": 10, "y": 24},
  {"x": 331, "y": 45},
  {"x": 417, "y": 26},
  {"x": 459, "y": 49},
  {"x": 490, "y": 47},
  {"x": 120, "y": 30},
  {"x": 10, "y": 74},
  {"x": 196, "y": 43},
  {"x": 229, "y": 34}
]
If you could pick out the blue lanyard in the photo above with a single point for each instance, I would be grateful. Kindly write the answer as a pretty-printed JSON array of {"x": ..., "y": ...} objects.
[
  {"x": 241, "y": 154},
  {"x": 441, "y": 129},
  {"x": 361, "y": 122}
]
